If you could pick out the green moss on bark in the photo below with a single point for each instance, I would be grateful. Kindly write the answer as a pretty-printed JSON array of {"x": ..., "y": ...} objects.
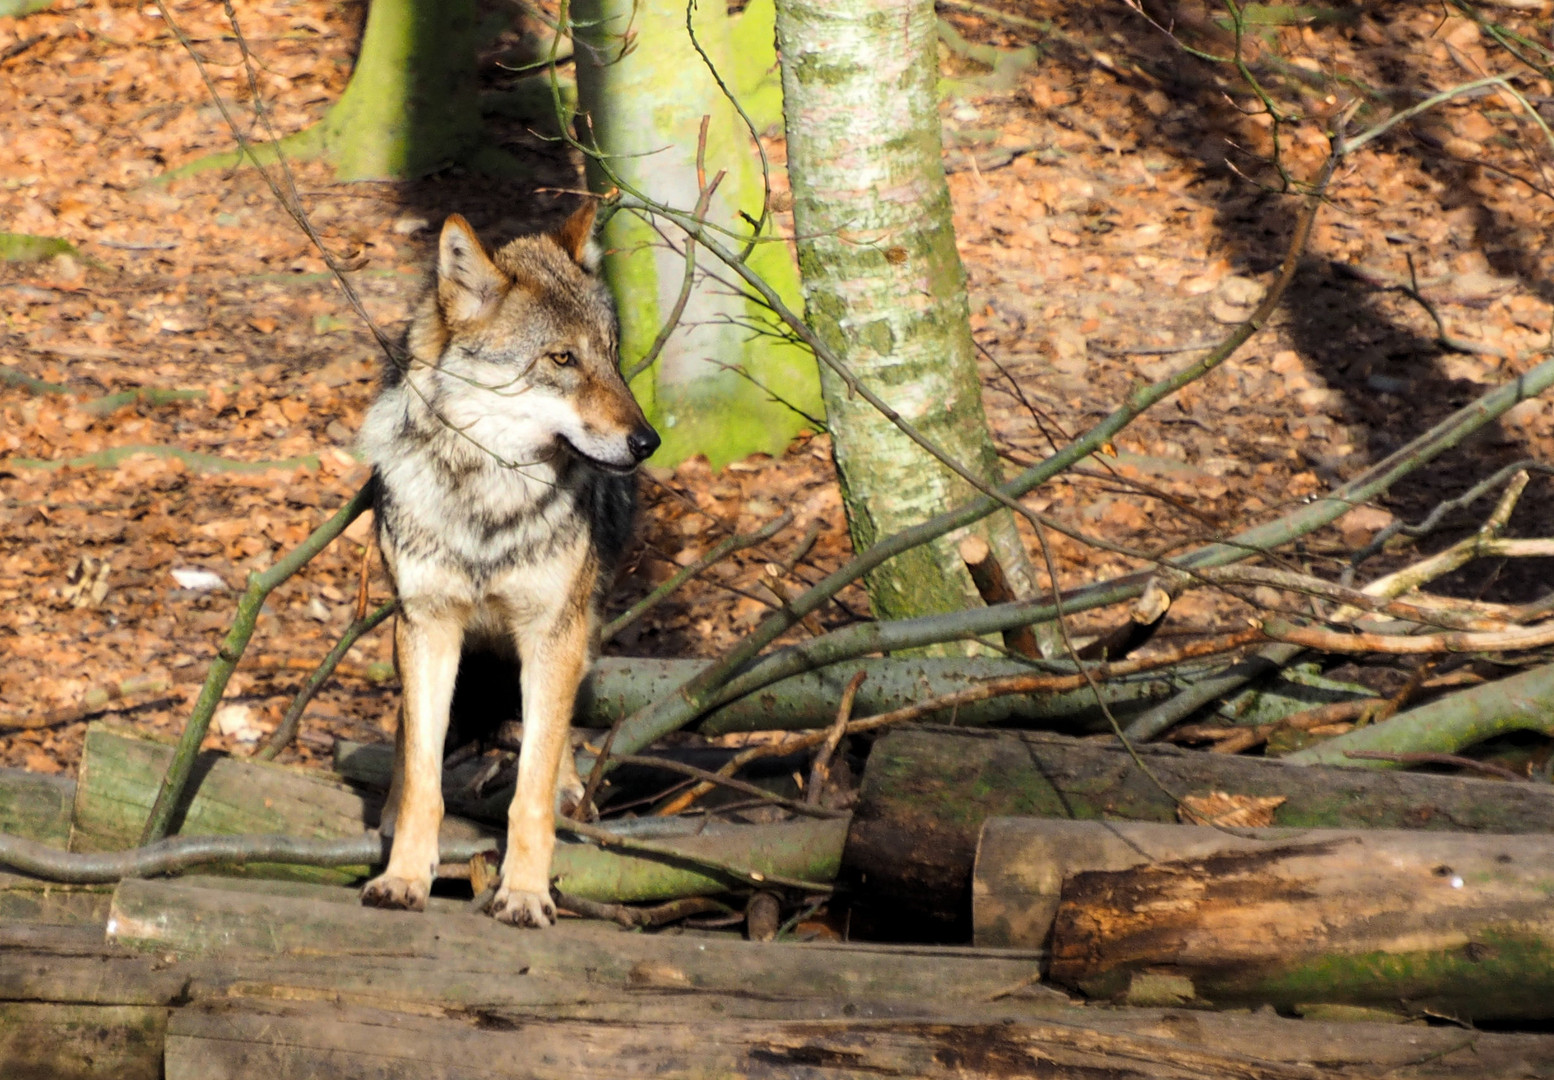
[
  {"x": 411, "y": 104},
  {"x": 644, "y": 111}
]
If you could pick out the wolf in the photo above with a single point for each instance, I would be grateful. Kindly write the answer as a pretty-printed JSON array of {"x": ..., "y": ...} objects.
[{"x": 502, "y": 451}]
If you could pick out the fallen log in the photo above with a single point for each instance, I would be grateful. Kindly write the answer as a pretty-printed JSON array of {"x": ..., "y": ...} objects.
[
  {"x": 621, "y": 686},
  {"x": 1444, "y": 924},
  {"x": 121, "y": 773},
  {"x": 49, "y": 1041},
  {"x": 170, "y": 916},
  {"x": 36, "y": 806},
  {"x": 232, "y": 1040},
  {"x": 26, "y": 899},
  {"x": 926, "y": 793},
  {"x": 490, "y": 967},
  {"x": 321, "y": 1009}
]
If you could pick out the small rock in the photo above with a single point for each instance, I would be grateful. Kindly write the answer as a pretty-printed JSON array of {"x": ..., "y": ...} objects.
[
  {"x": 196, "y": 580},
  {"x": 1240, "y": 290},
  {"x": 1222, "y": 311},
  {"x": 236, "y": 722}
]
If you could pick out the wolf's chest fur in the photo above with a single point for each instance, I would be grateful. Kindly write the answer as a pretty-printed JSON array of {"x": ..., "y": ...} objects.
[{"x": 443, "y": 500}]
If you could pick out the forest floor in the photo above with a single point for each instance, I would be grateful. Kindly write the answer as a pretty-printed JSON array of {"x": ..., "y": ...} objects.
[{"x": 1104, "y": 236}]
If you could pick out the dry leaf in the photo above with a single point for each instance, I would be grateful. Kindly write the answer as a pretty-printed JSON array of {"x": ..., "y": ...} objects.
[{"x": 1231, "y": 811}]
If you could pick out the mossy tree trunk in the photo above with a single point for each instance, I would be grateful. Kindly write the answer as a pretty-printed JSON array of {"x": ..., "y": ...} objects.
[
  {"x": 411, "y": 104},
  {"x": 884, "y": 285},
  {"x": 644, "y": 91}
]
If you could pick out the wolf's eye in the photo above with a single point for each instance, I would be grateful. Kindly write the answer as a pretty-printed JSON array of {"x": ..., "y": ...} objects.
[{"x": 562, "y": 359}]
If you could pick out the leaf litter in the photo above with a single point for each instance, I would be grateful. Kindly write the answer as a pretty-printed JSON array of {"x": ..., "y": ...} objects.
[{"x": 1104, "y": 235}]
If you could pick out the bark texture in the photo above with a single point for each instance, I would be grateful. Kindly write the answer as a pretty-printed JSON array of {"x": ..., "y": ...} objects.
[
  {"x": 927, "y": 792},
  {"x": 644, "y": 91},
  {"x": 884, "y": 286},
  {"x": 36, "y": 806},
  {"x": 411, "y": 103},
  {"x": 286, "y": 979},
  {"x": 1424, "y": 922}
]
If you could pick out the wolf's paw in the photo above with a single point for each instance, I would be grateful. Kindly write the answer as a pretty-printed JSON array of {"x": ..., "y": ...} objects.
[
  {"x": 517, "y": 907},
  {"x": 396, "y": 892}
]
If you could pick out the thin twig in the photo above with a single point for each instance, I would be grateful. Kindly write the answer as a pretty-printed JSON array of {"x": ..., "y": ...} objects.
[
  {"x": 288, "y": 199},
  {"x": 820, "y": 771},
  {"x": 1433, "y": 519},
  {"x": 1233, "y": 739},
  {"x": 724, "y": 548},
  {"x": 1356, "y": 600},
  {"x": 1312, "y": 637},
  {"x": 260, "y": 585},
  {"x": 718, "y": 779},
  {"x": 632, "y": 917},
  {"x": 284, "y": 732},
  {"x": 1488, "y": 768}
]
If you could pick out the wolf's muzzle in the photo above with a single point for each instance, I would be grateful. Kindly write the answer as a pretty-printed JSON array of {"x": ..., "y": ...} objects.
[{"x": 642, "y": 443}]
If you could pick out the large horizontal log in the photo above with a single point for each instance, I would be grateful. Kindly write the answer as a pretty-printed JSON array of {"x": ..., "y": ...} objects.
[
  {"x": 926, "y": 793},
  {"x": 49, "y": 1041},
  {"x": 239, "y": 1039},
  {"x": 1021, "y": 1030},
  {"x": 1440, "y": 923},
  {"x": 169, "y": 916},
  {"x": 554, "y": 974},
  {"x": 120, "y": 775}
]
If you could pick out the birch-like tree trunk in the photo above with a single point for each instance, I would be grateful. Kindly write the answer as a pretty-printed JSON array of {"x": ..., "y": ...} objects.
[
  {"x": 884, "y": 286},
  {"x": 644, "y": 90}
]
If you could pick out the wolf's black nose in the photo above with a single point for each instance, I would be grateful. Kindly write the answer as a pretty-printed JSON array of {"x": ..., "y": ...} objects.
[{"x": 642, "y": 443}]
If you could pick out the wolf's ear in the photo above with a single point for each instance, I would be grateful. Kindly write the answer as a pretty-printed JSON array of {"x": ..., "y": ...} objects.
[
  {"x": 469, "y": 284},
  {"x": 576, "y": 236}
]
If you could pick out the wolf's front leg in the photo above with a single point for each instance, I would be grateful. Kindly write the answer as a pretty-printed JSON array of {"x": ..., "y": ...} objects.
[
  {"x": 428, "y": 645},
  {"x": 554, "y": 659}
]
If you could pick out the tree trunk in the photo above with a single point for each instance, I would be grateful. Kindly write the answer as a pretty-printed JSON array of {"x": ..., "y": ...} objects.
[
  {"x": 1433, "y": 923},
  {"x": 644, "y": 91},
  {"x": 411, "y": 104},
  {"x": 927, "y": 792},
  {"x": 884, "y": 286}
]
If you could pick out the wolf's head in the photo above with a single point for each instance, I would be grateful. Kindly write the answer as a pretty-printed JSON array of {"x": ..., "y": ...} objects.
[{"x": 521, "y": 348}]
